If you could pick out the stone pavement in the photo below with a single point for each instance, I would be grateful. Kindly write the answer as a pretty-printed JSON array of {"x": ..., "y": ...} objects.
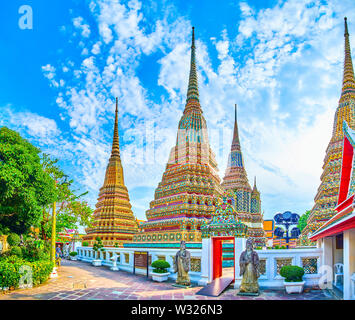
[{"x": 81, "y": 281}]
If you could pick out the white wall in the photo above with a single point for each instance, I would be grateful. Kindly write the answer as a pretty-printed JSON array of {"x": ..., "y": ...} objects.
[{"x": 269, "y": 279}]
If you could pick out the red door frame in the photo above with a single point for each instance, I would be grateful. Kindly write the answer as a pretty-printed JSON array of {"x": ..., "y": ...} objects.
[{"x": 217, "y": 258}]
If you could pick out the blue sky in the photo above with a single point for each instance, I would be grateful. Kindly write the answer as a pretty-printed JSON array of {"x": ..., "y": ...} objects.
[{"x": 280, "y": 61}]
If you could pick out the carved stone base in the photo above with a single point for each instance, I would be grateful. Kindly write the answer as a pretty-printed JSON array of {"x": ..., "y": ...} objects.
[
  {"x": 181, "y": 286},
  {"x": 254, "y": 294}
]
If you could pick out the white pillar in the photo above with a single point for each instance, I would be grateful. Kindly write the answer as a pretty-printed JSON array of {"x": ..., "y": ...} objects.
[
  {"x": 327, "y": 259},
  {"x": 349, "y": 261},
  {"x": 206, "y": 262},
  {"x": 239, "y": 247}
]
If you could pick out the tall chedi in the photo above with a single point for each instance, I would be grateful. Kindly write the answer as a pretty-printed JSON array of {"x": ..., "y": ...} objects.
[
  {"x": 239, "y": 193},
  {"x": 114, "y": 221},
  {"x": 327, "y": 195},
  {"x": 190, "y": 187}
]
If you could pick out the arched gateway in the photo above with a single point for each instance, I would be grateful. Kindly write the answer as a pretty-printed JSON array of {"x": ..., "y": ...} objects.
[{"x": 224, "y": 225}]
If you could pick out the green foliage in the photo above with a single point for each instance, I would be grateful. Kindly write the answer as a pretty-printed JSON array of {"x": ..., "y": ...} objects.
[
  {"x": 16, "y": 251},
  {"x": 292, "y": 273},
  {"x": 85, "y": 244},
  {"x": 71, "y": 211},
  {"x": 30, "y": 182},
  {"x": 302, "y": 222},
  {"x": 160, "y": 266},
  {"x": 98, "y": 245},
  {"x": 13, "y": 239},
  {"x": 24, "y": 186},
  {"x": 73, "y": 253},
  {"x": 277, "y": 247},
  {"x": 10, "y": 271},
  {"x": 34, "y": 250}
]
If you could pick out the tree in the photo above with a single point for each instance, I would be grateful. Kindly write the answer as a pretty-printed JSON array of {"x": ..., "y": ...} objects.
[
  {"x": 302, "y": 222},
  {"x": 71, "y": 210},
  {"x": 24, "y": 186},
  {"x": 30, "y": 181}
]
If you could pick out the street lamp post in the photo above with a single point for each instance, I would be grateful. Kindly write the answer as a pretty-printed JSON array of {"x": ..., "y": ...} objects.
[{"x": 54, "y": 273}]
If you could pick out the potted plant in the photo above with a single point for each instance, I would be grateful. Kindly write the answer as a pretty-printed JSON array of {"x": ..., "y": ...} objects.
[
  {"x": 73, "y": 255},
  {"x": 160, "y": 272},
  {"x": 293, "y": 278},
  {"x": 98, "y": 246}
]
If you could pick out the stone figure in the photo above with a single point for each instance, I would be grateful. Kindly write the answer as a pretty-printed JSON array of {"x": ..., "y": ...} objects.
[
  {"x": 182, "y": 265},
  {"x": 114, "y": 262},
  {"x": 249, "y": 269}
]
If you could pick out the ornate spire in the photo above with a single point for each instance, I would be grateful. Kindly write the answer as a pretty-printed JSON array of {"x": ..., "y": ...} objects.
[
  {"x": 192, "y": 90},
  {"x": 348, "y": 77},
  {"x": 115, "y": 144},
  {"x": 235, "y": 142},
  {"x": 255, "y": 189}
]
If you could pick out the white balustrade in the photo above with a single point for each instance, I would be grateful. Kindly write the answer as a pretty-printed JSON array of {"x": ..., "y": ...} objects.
[{"x": 271, "y": 260}]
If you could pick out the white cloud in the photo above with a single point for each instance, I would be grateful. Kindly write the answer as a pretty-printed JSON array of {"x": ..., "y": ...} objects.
[
  {"x": 83, "y": 27},
  {"x": 283, "y": 69}
]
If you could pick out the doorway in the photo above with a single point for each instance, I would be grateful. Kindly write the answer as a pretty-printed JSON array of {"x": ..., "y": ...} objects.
[{"x": 223, "y": 257}]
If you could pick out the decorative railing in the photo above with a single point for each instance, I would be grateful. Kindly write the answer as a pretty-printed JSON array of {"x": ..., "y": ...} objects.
[
  {"x": 125, "y": 259},
  {"x": 271, "y": 261}
]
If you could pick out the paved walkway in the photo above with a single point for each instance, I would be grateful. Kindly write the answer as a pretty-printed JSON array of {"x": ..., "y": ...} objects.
[{"x": 81, "y": 281}]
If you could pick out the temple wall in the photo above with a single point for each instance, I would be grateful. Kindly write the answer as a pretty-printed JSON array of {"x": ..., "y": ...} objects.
[{"x": 271, "y": 262}]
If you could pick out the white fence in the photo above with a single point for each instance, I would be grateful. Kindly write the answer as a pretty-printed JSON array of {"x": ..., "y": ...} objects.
[
  {"x": 126, "y": 259},
  {"x": 271, "y": 262}
]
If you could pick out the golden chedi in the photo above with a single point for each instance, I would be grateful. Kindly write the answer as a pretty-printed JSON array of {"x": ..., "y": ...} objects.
[{"x": 114, "y": 221}]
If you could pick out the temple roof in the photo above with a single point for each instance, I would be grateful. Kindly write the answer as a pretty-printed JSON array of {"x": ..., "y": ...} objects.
[
  {"x": 192, "y": 125},
  {"x": 192, "y": 90},
  {"x": 348, "y": 76},
  {"x": 115, "y": 143},
  {"x": 235, "y": 176}
]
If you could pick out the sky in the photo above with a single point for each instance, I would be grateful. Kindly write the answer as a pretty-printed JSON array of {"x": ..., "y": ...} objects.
[{"x": 281, "y": 61}]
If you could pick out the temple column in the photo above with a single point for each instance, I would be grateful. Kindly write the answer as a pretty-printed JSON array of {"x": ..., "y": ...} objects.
[
  {"x": 327, "y": 260},
  {"x": 349, "y": 262},
  {"x": 206, "y": 262}
]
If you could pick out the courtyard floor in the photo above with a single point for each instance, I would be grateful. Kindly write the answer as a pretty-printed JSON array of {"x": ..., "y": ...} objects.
[{"x": 81, "y": 281}]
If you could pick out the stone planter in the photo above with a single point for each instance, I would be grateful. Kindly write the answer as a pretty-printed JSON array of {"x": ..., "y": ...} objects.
[
  {"x": 73, "y": 258},
  {"x": 96, "y": 263},
  {"x": 294, "y": 287},
  {"x": 160, "y": 277}
]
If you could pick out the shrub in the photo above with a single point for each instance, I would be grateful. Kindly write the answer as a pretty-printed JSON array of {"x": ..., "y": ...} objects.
[
  {"x": 10, "y": 271},
  {"x": 277, "y": 247},
  {"x": 73, "y": 253},
  {"x": 16, "y": 251},
  {"x": 85, "y": 244},
  {"x": 292, "y": 273},
  {"x": 13, "y": 239},
  {"x": 160, "y": 266},
  {"x": 35, "y": 250}
]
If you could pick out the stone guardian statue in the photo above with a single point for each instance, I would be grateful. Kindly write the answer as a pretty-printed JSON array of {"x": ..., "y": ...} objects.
[
  {"x": 249, "y": 269},
  {"x": 182, "y": 265}
]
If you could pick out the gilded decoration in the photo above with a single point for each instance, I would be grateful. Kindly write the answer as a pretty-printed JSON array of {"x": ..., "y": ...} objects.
[
  {"x": 224, "y": 223},
  {"x": 195, "y": 264}
]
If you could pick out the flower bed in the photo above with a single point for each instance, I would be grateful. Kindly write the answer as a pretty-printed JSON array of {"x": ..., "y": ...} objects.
[{"x": 10, "y": 274}]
